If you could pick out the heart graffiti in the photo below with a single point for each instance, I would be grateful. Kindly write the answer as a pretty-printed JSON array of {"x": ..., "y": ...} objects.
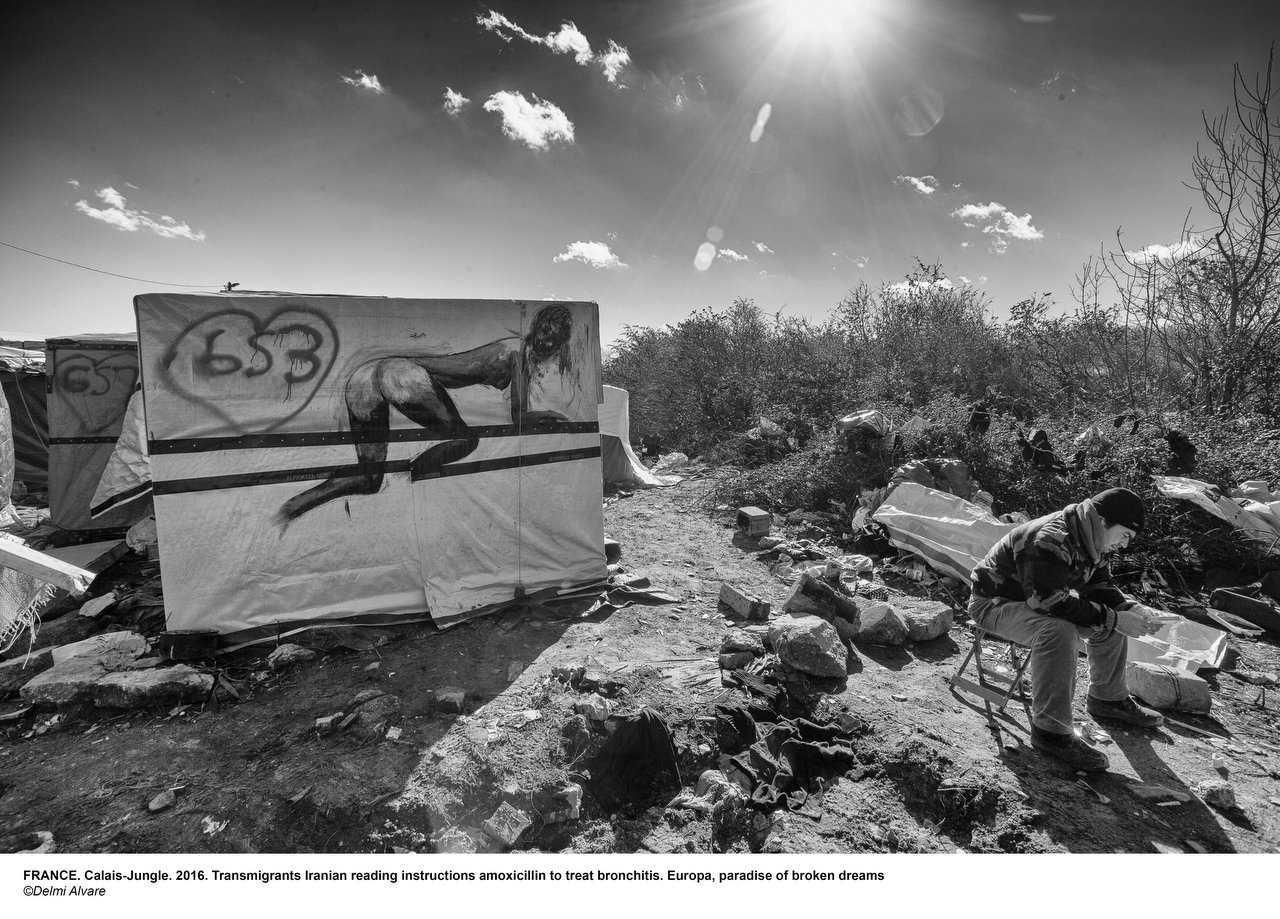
[
  {"x": 96, "y": 390},
  {"x": 253, "y": 374}
]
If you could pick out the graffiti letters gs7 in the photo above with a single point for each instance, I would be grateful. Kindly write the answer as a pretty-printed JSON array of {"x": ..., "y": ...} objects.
[{"x": 252, "y": 373}]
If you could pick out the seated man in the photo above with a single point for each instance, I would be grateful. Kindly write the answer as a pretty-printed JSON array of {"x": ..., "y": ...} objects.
[{"x": 1046, "y": 585}]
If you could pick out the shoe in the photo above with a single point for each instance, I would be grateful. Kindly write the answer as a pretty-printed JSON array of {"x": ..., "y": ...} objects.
[
  {"x": 1070, "y": 749},
  {"x": 1125, "y": 710}
]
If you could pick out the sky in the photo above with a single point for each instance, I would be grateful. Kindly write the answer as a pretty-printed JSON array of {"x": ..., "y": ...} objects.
[{"x": 656, "y": 156}]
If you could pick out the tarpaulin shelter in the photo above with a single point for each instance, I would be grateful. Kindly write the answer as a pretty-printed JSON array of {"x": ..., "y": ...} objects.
[
  {"x": 327, "y": 459},
  {"x": 90, "y": 379},
  {"x": 22, "y": 375},
  {"x": 619, "y": 462}
]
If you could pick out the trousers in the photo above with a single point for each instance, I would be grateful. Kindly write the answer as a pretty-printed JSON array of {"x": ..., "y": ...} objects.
[{"x": 1055, "y": 646}]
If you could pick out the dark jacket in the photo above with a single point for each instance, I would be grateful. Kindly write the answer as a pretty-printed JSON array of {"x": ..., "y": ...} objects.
[{"x": 1054, "y": 564}]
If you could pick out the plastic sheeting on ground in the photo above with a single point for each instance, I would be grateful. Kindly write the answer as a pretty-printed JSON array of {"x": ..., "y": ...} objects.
[
  {"x": 1254, "y": 518},
  {"x": 950, "y": 534},
  {"x": 368, "y": 460},
  {"x": 620, "y": 463},
  {"x": 1183, "y": 644}
]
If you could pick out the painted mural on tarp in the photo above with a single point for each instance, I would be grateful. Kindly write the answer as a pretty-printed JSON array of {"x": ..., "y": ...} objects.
[
  {"x": 366, "y": 459},
  {"x": 90, "y": 379}
]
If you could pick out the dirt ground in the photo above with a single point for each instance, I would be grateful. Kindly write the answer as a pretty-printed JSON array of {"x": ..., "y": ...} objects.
[{"x": 253, "y": 774}]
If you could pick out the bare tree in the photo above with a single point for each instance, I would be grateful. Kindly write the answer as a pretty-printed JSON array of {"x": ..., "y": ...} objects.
[{"x": 1213, "y": 301}]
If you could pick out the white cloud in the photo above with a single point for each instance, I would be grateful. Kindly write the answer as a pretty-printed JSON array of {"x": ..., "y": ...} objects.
[
  {"x": 731, "y": 255},
  {"x": 613, "y": 59},
  {"x": 568, "y": 40},
  {"x": 859, "y": 261},
  {"x": 762, "y": 248},
  {"x": 365, "y": 81},
  {"x": 906, "y": 287},
  {"x": 453, "y": 101},
  {"x": 1001, "y": 224},
  {"x": 597, "y": 255},
  {"x": 73, "y": 183},
  {"x": 118, "y": 214},
  {"x": 966, "y": 244},
  {"x": 1165, "y": 255},
  {"x": 925, "y": 185},
  {"x": 535, "y": 124}
]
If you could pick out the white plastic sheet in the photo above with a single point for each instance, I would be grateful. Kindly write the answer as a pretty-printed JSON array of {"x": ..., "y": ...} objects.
[
  {"x": 367, "y": 459},
  {"x": 949, "y": 533}
]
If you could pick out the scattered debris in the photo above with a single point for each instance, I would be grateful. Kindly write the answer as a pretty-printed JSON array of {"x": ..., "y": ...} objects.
[
  {"x": 507, "y": 824},
  {"x": 594, "y": 707},
  {"x": 95, "y": 607},
  {"x": 450, "y": 700},
  {"x": 514, "y": 669}
]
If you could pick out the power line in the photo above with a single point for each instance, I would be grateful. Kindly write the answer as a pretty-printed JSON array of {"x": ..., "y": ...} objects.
[{"x": 100, "y": 271}]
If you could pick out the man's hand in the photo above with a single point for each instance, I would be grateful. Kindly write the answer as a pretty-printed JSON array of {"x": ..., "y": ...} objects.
[{"x": 1135, "y": 623}]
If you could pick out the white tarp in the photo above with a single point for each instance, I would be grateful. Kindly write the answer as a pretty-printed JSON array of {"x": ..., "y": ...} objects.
[
  {"x": 949, "y": 533},
  {"x": 1255, "y": 519},
  {"x": 366, "y": 459},
  {"x": 621, "y": 465},
  {"x": 127, "y": 476}
]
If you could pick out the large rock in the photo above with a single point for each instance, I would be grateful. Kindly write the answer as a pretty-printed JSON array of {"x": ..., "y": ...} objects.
[
  {"x": 51, "y": 634},
  {"x": 815, "y": 595},
  {"x": 78, "y": 668},
  {"x": 287, "y": 655},
  {"x": 926, "y": 619},
  {"x": 808, "y": 644},
  {"x": 882, "y": 625},
  {"x": 151, "y": 687},
  {"x": 742, "y": 640},
  {"x": 17, "y": 673}
]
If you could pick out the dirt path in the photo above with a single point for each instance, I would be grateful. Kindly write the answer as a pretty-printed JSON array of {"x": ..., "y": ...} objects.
[{"x": 254, "y": 775}]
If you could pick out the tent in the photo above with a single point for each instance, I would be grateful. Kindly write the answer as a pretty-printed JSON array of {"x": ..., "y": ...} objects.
[
  {"x": 360, "y": 460},
  {"x": 23, "y": 378},
  {"x": 90, "y": 379},
  {"x": 620, "y": 464}
]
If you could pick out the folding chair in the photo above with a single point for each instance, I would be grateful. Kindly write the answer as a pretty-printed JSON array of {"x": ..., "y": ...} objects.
[{"x": 991, "y": 685}]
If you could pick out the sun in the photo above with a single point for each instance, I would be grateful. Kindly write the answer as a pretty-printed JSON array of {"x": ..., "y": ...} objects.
[{"x": 824, "y": 22}]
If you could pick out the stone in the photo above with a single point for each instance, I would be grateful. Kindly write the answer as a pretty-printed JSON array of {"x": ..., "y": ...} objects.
[
  {"x": 162, "y": 801},
  {"x": 743, "y": 604},
  {"x": 594, "y": 707},
  {"x": 815, "y": 595},
  {"x": 733, "y": 660},
  {"x": 327, "y": 724},
  {"x": 514, "y": 669},
  {"x": 1167, "y": 687},
  {"x": 92, "y": 609},
  {"x": 507, "y": 824},
  {"x": 740, "y": 640},
  {"x": 808, "y": 644},
  {"x": 360, "y": 698},
  {"x": 62, "y": 631},
  {"x": 17, "y": 673},
  {"x": 1217, "y": 793},
  {"x": 154, "y": 686},
  {"x": 882, "y": 625},
  {"x": 926, "y": 619},
  {"x": 289, "y": 655},
  {"x": 450, "y": 700},
  {"x": 770, "y": 542},
  {"x": 79, "y": 667}
]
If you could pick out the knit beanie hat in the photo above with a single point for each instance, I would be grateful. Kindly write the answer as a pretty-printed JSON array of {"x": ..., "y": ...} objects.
[{"x": 1121, "y": 507}]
